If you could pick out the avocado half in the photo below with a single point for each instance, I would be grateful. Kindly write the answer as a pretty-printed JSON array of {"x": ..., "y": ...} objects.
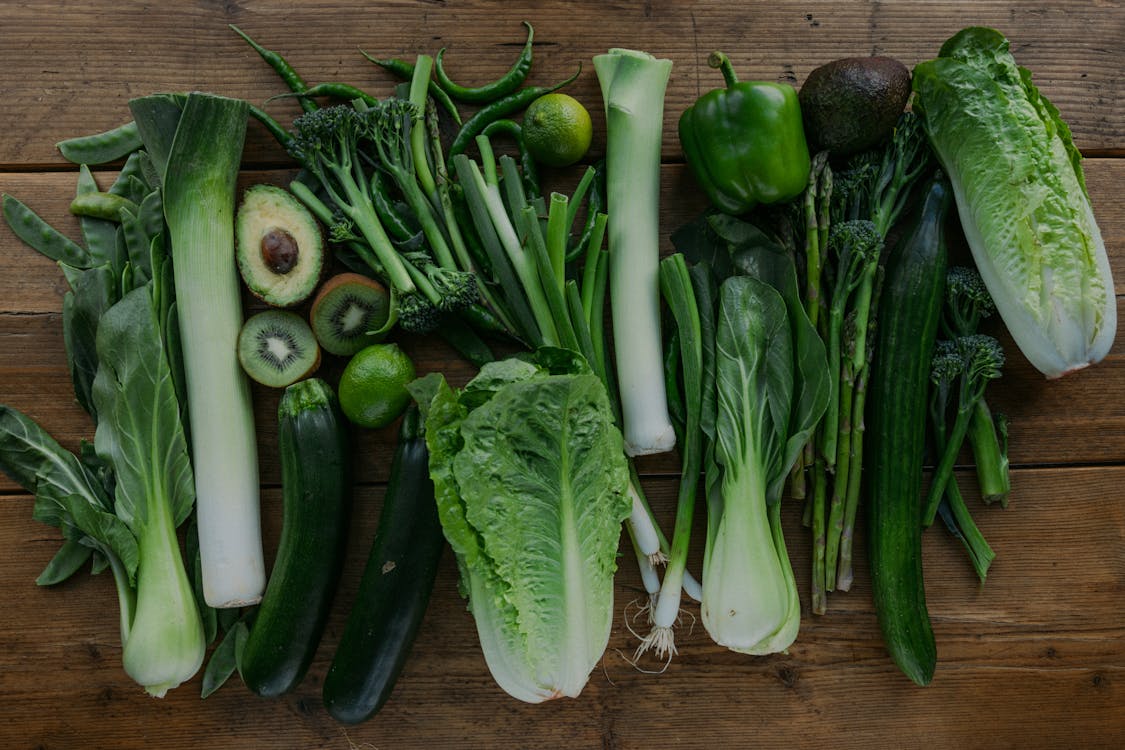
[{"x": 280, "y": 246}]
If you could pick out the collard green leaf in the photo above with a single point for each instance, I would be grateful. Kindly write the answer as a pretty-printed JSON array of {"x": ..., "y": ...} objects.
[{"x": 67, "y": 495}]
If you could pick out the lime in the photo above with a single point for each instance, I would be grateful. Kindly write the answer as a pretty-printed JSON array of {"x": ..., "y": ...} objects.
[
  {"x": 557, "y": 130},
  {"x": 373, "y": 385}
]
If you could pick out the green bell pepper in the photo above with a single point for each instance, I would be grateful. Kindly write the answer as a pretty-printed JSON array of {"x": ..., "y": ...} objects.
[{"x": 746, "y": 143}]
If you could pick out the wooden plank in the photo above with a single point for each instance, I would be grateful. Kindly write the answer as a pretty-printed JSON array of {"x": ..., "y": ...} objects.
[
  {"x": 1060, "y": 664},
  {"x": 1078, "y": 419},
  {"x": 62, "y": 81}
]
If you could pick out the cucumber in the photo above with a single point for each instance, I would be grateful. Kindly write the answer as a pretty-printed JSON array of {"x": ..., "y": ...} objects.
[
  {"x": 316, "y": 500},
  {"x": 395, "y": 587},
  {"x": 908, "y": 316}
]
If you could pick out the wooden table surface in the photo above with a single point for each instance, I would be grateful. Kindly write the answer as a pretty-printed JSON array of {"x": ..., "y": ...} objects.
[{"x": 1033, "y": 659}]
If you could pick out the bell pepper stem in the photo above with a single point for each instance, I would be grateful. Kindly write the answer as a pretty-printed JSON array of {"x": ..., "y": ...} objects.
[{"x": 722, "y": 62}]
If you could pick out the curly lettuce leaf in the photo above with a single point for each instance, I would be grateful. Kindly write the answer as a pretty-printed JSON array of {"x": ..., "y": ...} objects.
[
  {"x": 1022, "y": 199},
  {"x": 530, "y": 480}
]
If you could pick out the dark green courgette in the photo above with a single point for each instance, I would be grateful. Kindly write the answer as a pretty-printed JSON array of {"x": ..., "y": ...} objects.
[
  {"x": 908, "y": 315},
  {"x": 316, "y": 500},
  {"x": 395, "y": 587}
]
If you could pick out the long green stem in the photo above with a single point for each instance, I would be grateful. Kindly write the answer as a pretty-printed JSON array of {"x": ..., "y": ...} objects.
[
  {"x": 960, "y": 522},
  {"x": 989, "y": 454},
  {"x": 944, "y": 469}
]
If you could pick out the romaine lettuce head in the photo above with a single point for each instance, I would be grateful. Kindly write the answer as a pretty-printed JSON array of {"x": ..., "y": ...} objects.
[
  {"x": 1022, "y": 199},
  {"x": 530, "y": 479}
]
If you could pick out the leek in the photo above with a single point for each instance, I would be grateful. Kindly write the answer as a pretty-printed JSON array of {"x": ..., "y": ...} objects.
[
  {"x": 199, "y": 201},
  {"x": 633, "y": 85}
]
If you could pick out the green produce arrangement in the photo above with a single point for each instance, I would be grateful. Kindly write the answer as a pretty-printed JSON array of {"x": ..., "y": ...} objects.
[{"x": 811, "y": 347}]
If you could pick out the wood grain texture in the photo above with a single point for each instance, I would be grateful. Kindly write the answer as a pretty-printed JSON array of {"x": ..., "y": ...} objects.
[
  {"x": 71, "y": 67},
  {"x": 1033, "y": 659}
]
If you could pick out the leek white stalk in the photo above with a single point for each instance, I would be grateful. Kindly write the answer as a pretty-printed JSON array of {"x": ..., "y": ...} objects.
[
  {"x": 199, "y": 202},
  {"x": 633, "y": 85}
]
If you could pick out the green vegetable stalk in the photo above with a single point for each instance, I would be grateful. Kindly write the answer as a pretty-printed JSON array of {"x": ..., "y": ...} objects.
[{"x": 633, "y": 85}]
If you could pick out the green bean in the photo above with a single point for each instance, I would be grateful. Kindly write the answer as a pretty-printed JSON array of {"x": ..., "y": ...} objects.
[
  {"x": 500, "y": 109},
  {"x": 99, "y": 205},
  {"x": 528, "y": 168},
  {"x": 132, "y": 181},
  {"x": 281, "y": 66},
  {"x": 405, "y": 71},
  {"x": 100, "y": 148},
  {"x": 42, "y": 237},
  {"x": 489, "y": 92}
]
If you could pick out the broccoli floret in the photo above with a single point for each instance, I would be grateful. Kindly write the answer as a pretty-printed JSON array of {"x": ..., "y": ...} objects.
[
  {"x": 327, "y": 143},
  {"x": 967, "y": 301},
  {"x": 855, "y": 246},
  {"x": 417, "y": 314},
  {"x": 449, "y": 290},
  {"x": 981, "y": 360}
]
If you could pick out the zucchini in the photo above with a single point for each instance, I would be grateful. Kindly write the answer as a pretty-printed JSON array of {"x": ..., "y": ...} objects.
[
  {"x": 395, "y": 587},
  {"x": 316, "y": 500},
  {"x": 908, "y": 316}
]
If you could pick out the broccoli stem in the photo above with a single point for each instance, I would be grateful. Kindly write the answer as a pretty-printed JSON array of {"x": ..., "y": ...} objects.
[
  {"x": 357, "y": 207},
  {"x": 990, "y": 456},
  {"x": 960, "y": 522},
  {"x": 944, "y": 469}
]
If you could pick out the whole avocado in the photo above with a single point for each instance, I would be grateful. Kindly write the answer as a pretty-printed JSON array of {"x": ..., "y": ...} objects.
[{"x": 851, "y": 104}]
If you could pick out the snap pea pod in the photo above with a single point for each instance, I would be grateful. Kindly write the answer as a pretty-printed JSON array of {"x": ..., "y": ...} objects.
[
  {"x": 513, "y": 130},
  {"x": 42, "y": 237},
  {"x": 99, "y": 205},
  {"x": 497, "y": 89},
  {"x": 100, "y": 148},
  {"x": 405, "y": 70},
  {"x": 281, "y": 66},
  {"x": 500, "y": 109}
]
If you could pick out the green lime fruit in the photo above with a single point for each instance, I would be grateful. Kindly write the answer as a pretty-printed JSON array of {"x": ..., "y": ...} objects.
[
  {"x": 557, "y": 130},
  {"x": 373, "y": 385}
]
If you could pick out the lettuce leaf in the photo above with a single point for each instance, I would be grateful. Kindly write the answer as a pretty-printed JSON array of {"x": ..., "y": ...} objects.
[
  {"x": 530, "y": 480},
  {"x": 1021, "y": 196}
]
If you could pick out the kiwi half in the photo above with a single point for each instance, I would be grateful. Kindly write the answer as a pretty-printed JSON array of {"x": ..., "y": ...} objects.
[
  {"x": 346, "y": 308},
  {"x": 277, "y": 348},
  {"x": 280, "y": 247}
]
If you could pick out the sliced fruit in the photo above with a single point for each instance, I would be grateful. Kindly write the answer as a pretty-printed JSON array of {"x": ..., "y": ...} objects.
[
  {"x": 277, "y": 348},
  {"x": 280, "y": 246},
  {"x": 345, "y": 310}
]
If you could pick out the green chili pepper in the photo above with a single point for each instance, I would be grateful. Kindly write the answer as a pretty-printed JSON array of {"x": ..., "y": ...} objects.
[
  {"x": 746, "y": 143},
  {"x": 405, "y": 70},
  {"x": 282, "y": 67},
  {"x": 500, "y": 109},
  {"x": 489, "y": 92}
]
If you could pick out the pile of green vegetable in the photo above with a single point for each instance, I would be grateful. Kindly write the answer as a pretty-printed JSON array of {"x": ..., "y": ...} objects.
[{"x": 810, "y": 333}]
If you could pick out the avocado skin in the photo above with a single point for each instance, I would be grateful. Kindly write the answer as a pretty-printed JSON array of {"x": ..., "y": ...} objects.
[{"x": 851, "y": 104}]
